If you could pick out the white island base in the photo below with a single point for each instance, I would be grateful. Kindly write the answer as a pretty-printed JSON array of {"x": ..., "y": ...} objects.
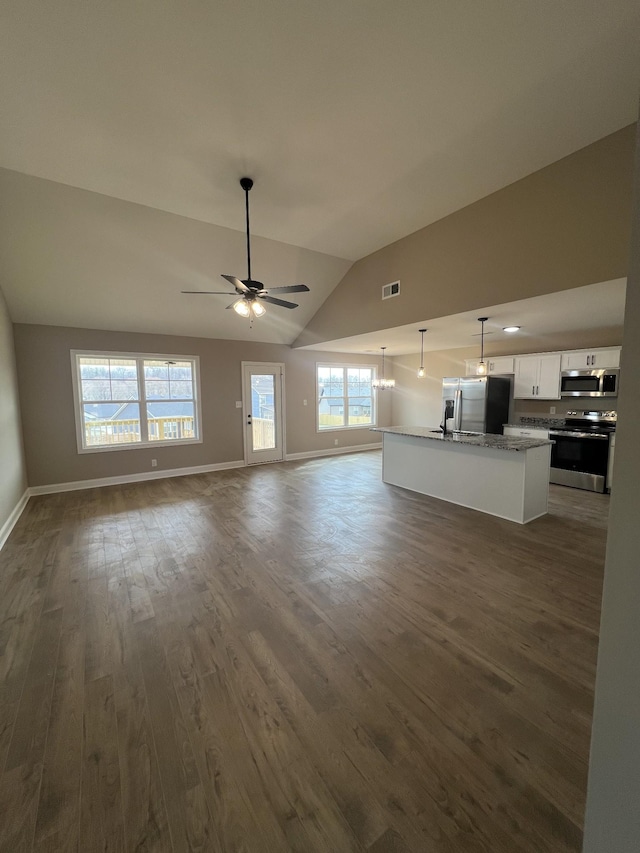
[{"x": 512, "y": 484}]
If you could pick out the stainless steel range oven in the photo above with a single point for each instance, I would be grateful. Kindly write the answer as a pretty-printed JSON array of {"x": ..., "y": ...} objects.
[{"x": 580, "y": 455}]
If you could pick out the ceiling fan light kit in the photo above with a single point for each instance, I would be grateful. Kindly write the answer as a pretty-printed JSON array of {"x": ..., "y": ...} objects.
[{"x": 252, "y": 293}]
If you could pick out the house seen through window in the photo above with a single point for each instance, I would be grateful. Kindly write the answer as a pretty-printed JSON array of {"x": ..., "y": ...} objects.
[
  {"x": 132, "y": 400},
  {"x": 345, "y": 396}
]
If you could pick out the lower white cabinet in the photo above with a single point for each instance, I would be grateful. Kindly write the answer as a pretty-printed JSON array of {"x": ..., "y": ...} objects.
[
  {"x": 537, "y": 377},
  {"x": 526, "y": 432}
]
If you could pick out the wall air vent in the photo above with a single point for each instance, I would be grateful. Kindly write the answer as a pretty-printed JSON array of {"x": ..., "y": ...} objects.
[{"x": 389, "y": 290}]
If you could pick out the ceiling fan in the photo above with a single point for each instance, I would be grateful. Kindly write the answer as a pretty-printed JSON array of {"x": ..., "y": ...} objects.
[{"x": 252, "y": 293}]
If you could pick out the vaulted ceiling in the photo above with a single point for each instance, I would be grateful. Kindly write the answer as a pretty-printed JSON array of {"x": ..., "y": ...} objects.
[{"x": 360, "y": 123}]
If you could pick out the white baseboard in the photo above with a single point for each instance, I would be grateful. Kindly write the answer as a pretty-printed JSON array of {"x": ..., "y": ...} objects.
[
  {"x": 77, "y": 485},
  {"x": 332, "y": 451},
  {"x": 10, "y": 523}
]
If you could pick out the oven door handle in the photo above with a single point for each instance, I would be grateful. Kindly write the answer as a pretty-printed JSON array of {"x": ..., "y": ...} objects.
[{"x": 565, "y": 433}]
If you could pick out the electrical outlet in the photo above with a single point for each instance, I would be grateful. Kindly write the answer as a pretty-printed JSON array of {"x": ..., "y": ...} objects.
[
  {"x": 154, "y": 463},
  {"x": 304, "y": 402},
  {"x": 335, "y": 441},
  {"x": 552, "y": 410}
]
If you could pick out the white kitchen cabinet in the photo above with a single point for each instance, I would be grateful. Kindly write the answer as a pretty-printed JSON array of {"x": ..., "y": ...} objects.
[
  {"x": 537, "y": 377},
  {"x": 526, "y": 432},
  {"x": 499, "y": 366},
  {"x": 584, "y": 359}
]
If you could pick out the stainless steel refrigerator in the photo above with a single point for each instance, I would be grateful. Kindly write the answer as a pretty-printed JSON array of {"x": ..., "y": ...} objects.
[{"x": 476, "y": 403}]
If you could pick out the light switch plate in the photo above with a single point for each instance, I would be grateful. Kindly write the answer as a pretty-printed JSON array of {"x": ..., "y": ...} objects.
[{"x": 238, "y": 404}]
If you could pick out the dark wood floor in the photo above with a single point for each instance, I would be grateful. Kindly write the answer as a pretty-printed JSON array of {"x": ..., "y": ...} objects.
[{"x": 296, "y": 657}]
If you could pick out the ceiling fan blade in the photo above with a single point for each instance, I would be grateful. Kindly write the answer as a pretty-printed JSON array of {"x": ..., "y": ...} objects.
[
  {"x": 239, "y": 285},
  {"x": 291, "y": 288},
  {"x": 280, "y": 302},
  {"x": 209, "y": 292}
]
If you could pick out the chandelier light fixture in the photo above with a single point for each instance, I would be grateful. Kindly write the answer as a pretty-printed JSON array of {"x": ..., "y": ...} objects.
[
  {"x": 421, "y": 372},
  {"x": 381, "y": 383},
  {"x": 481, "y": 369}
]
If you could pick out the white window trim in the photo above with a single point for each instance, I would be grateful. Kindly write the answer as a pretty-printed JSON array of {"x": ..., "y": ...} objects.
[
  {"x": 138, "y": 445},
  {"x": 374, "y": 402}
]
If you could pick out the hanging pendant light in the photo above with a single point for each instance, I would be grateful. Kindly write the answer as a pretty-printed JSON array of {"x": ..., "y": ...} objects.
[
  {"x": 421, "y": 371},
  {"x": 382, "y": 384},
  {"x": 481, "y": 369}
]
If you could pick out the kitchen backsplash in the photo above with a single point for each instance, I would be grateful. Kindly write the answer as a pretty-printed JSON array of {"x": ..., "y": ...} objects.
[{"x": 541, "y": 408}]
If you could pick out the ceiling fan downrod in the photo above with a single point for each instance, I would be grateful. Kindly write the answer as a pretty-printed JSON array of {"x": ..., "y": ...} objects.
[{"x": 246, "y": 184}]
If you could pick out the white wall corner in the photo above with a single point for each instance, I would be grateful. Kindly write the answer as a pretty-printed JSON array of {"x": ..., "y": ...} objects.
[{"x": 11, "y": 522}]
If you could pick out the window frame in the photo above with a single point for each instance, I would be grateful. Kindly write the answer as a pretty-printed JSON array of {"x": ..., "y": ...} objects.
[
  {"x": 140, "y": 358},
  {"x": 374, "y": 403}
]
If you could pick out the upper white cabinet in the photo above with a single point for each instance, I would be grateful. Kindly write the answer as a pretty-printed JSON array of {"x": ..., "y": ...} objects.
[
  {"x": 495, "y": 366},
  {"x": 583, "y": 359},
  {"x": 537, "y": 377},
  {"x": 502, "y": 365}
]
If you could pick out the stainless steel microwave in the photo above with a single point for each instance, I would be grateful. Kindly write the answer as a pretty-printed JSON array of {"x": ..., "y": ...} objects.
[{"x": 589, "y": 383}]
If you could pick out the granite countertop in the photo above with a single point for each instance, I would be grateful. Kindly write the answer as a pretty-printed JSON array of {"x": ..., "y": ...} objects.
[
  {"x": 498, "y": 442},
  {"x": 520, "y": 425}
]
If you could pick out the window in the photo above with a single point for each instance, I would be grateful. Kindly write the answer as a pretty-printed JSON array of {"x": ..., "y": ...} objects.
[
  {"x": 130, "y": 400},
  {"x": 345, "y": 397}
]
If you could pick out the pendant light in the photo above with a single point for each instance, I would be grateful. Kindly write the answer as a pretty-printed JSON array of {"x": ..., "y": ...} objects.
[
  {"x": 421, "y": 372},
  {"x": 481, "y": 369},
  {"x": 382, "y": 384}
]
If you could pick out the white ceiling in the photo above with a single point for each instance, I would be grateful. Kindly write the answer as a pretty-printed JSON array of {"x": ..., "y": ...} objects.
[
  {"x": 594, "y": 306},
  {"x": 360, "y": 123}
]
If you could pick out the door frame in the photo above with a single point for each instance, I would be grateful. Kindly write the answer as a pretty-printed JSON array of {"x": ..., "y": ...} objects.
[{"x": 276, "y": 367}]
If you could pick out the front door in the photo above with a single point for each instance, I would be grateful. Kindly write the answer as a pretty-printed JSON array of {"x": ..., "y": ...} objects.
[{"x": 262, "y": 404}]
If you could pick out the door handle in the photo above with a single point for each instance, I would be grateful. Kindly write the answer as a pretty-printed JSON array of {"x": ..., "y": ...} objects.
[
  {"x": 533, "y": 390},
  {"x": 537, "y": 390}
]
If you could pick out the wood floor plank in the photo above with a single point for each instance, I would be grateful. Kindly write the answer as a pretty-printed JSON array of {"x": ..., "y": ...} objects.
[
  {"x": 58, "y": 806},
  {"x": 188, "y": 816},
  {"x": 101, "y": 818},
  {"x": 296, "y": 657}
]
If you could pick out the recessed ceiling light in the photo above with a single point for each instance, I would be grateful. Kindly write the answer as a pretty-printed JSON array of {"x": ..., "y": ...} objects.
[{"x": 511, "y": 329}]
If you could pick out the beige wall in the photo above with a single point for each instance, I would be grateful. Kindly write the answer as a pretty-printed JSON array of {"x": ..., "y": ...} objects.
[
  {"x": 418, "y": 402},
  {"x": 613, "y": 813},
  {"x": 564, "y": 226},
  {"x": 44, "y": 372},
  {"x": 13, "y": 480}
]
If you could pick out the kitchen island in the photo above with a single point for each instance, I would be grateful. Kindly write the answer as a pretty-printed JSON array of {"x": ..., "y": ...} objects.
[{"x": 496, "y": 474}]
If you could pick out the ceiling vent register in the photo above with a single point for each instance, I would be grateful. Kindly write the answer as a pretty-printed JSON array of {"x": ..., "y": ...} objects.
[{"x": 389, "y": 290}]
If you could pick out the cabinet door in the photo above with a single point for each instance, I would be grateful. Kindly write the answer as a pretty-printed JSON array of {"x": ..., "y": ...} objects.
[
  {"x": 524, "y": 432},
  {"x": 525, "y": 377},
  {"x": 501, "y": 365},
  {"x": 576, "y": 360},
  {"x": 605, "y": 358},
  {"x": 548, "y": 385}
]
